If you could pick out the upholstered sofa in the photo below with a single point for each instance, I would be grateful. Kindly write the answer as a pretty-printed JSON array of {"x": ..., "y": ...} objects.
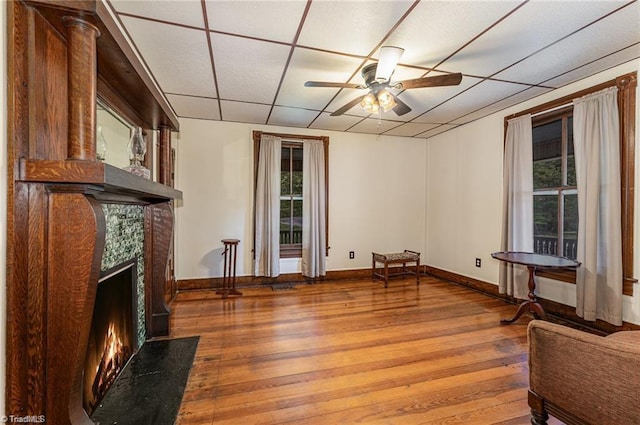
[{"x": 581, "y": 378}]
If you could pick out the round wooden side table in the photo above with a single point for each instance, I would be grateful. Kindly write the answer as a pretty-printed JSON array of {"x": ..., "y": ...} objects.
[{"x": 532, "y": 261}]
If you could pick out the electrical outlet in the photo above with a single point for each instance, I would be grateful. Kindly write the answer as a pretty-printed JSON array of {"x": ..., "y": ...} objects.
[
  {"x": 352, "y": 255},
  {"x": 478, "y": 262}
]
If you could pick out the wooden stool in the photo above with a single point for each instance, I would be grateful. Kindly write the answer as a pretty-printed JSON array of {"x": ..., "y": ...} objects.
[
  {"x": 396, "y": 258},
  {"x": 229, "y": 278}
]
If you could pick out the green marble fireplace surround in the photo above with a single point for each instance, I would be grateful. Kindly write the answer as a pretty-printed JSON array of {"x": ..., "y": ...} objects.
[{"x": 124, "y": 240}]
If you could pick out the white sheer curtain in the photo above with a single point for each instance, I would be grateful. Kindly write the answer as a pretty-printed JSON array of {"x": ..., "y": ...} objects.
[
  {"x": 267, "y": 226},
  {"x": 313, "y": 209},
  {"x": 596, "y": 138},
  {"x": 517, "y": 206}
]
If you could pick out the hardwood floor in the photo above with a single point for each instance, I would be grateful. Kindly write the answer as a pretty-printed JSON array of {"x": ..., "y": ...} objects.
[{"x": 353, "y": 352}]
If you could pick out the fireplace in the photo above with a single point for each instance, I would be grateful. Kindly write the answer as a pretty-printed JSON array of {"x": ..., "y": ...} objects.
[
  {"x": 56, "y": 226},
  {"x": 113, "y": 333}
]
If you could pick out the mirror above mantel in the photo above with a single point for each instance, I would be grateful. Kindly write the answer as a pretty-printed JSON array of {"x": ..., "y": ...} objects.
[{"x": 116, "y": 133}]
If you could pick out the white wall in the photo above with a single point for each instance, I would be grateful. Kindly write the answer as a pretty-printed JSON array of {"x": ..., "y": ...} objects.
[
  {"x": 376, "y": 196},
  {"x": 3, "y": 203},
  {"x": 464, "y": 198}
]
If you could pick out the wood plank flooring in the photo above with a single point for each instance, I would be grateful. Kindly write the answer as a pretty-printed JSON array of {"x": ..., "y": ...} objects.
[{"x": 353, "y": 353}]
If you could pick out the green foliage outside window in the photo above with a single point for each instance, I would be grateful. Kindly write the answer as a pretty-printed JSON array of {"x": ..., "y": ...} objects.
[
  {"x": 555, "y": 202},
  {"x": 291, "y": 195}
]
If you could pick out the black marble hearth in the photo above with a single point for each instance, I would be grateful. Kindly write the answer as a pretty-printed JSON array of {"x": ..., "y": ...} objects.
[{"x": 149, "y": 390}]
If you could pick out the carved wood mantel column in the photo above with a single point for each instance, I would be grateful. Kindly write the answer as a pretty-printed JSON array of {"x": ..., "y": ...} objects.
[
  {"x": 75, "y": 241},
  {"x": 164, "y": 156},
  {"x": 82, "y": 82}
]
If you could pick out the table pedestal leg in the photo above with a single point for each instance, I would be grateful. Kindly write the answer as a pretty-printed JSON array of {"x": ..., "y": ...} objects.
[
  {"x": 532, "y": 305},
  {"x": 232, "y": 272}
]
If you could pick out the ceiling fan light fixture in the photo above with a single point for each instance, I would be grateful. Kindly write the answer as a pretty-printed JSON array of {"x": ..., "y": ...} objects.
[
  {"x": 377, "y": 78},
  {"x": 386, "y": 100},
  {"x": 387, "y": 61},
  {"x": 369, "y": 103}
]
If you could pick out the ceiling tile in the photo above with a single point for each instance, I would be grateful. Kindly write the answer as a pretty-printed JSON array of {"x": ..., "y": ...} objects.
[
  {"x": 471, "y": 100},
  {"x": 522, "y": 96},
  {"x": 341, "y": 123},
  {"x": 293, "y": 117},
  {"x": 440, "y": 129},
  {"x": 258, "y": 78},
  {"x": 315, "y": 66},
  {"x": 244, "y": 112},
  {"x": 591, "y": 68},
  {"x": 184, "y": 12},
  {"x": 195, "y": 107},
  {"x": 570, "y": 52},
  {"x": 267, "y": 20},
  {"x": 424, "y": 99},
  {"x": 532, "y": 27},
  {"x": 354, "y": 27},
  {"x": 373, "y": 126},
  {"x": 410, "y": 129},
  {"x": 428, "y": 35},
  {"x": 177, "y": 56}
]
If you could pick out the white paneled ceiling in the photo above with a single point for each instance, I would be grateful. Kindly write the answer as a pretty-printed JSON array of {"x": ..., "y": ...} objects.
[{"x": 247, "y": 60}]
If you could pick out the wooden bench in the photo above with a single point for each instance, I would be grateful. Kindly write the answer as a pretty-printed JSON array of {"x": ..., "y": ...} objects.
[{"x": 404, "y": 258}]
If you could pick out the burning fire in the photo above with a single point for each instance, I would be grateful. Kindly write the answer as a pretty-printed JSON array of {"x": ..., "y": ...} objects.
[{"x": 113, "y": 360}]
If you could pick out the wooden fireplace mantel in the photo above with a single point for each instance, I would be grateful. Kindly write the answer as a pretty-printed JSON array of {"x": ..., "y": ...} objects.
[
  {"x": 64, "y": 55},
  {"x": 109, "y": 183}
]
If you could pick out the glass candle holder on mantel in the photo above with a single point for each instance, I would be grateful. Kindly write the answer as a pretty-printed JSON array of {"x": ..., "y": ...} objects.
[
  {"x": 137, "y": 148},
  {"x": 101, "y": 146}
]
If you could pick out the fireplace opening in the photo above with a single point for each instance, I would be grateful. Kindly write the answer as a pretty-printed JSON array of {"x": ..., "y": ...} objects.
[{"x": 112, "y": 338}]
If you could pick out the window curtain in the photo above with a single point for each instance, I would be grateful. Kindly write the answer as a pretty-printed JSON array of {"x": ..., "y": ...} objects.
[
  {"x": 517, "y": 206},
  {"x": 314, "y": 242},
  {"x": 267, "y": 225},
  {"x": 597, "y": 155}
]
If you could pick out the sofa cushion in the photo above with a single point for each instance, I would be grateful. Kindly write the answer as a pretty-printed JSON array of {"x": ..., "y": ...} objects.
[{"x": 631, "y": 337}]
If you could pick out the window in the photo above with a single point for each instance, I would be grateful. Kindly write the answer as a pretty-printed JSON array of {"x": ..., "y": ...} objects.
[
  {"x": 554, "y": 176},
  {"x": 291, "y": 200},
  {"x": 555, "y": 198},
  {"x": 291, "y": 172}
]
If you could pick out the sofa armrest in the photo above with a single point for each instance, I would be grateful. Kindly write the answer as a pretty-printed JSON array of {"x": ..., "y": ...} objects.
[{"x": 594, "y": 378}]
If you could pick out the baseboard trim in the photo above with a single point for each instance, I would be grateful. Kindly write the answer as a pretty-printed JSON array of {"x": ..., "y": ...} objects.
[
  {"x": 470, "y": 282},
  {"x": 253, "y": 281},
  {"x": 558, "y": 312}
]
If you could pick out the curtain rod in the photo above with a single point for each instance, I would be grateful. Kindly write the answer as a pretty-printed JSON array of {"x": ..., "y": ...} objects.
[
  {"x": 546, "y": 111},
  {"x": 293, "y": 136}
]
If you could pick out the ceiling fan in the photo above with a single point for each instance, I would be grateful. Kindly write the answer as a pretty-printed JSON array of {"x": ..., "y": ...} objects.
[{"x": 377, "y": 78}]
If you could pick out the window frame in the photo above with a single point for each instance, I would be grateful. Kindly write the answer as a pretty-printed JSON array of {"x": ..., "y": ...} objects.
[
  {"x": 626, "y": 85},
  {"x": 564, "y": 188},
  {"x": 293, "y": 250}
]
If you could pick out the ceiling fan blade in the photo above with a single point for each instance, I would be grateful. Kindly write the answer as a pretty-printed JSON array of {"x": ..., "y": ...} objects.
[
  {"x": 388, "y": 59},
  {"x": 348, "y": 106},
  {"x": 334, "y": 85},
  {"x": 439, "y": 80},
  {"x": 401, "y": 108}
]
